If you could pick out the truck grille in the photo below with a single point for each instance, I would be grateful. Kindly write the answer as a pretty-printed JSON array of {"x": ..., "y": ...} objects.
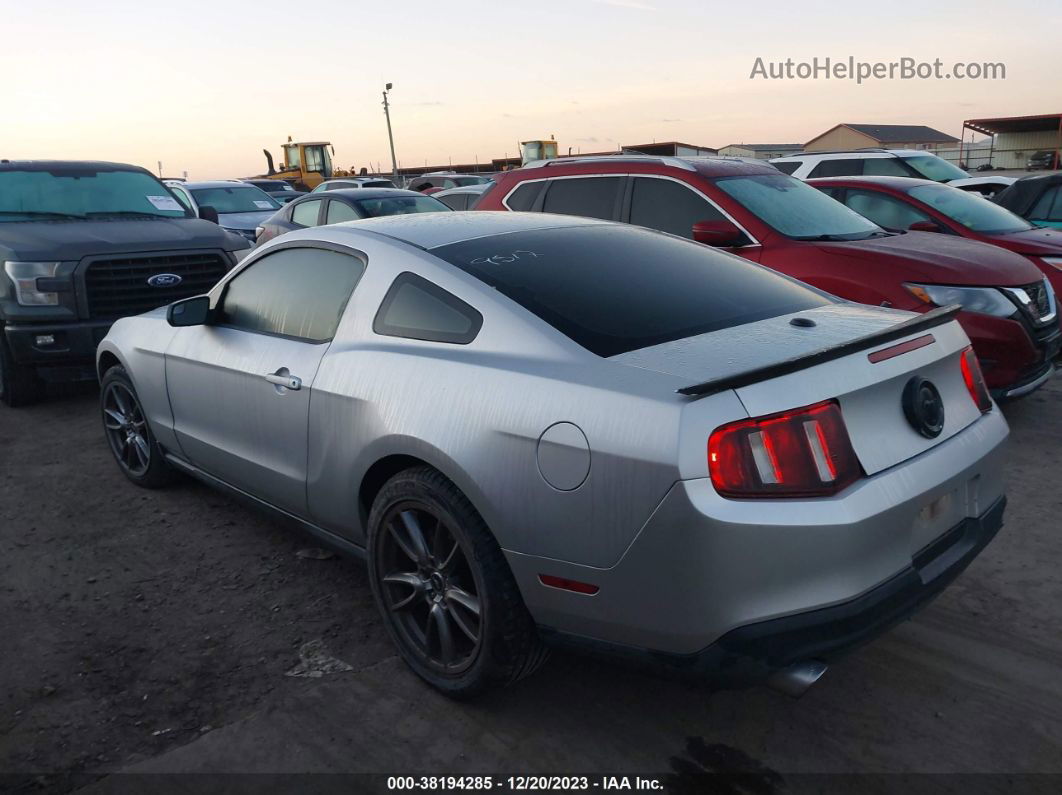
[{"x": 119, "y": 287}]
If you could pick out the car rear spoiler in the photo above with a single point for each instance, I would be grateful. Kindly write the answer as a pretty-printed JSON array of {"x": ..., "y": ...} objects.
[{"x": 935, "y": 317}]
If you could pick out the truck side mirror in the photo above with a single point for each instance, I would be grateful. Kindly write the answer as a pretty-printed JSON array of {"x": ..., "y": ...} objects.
[
  {"x": 193, "y": 311},
  {"x": 723, "y": 233},
  {"x": 208, "y": 213}
]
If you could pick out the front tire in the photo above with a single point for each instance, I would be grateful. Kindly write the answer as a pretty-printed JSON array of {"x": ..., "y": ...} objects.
[
  {"x": 19, "y": 383},
  {"x": 128, "y": 434},
  {"x": 447, "y": 596}
]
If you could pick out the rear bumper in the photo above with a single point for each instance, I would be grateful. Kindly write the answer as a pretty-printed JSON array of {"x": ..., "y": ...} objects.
[
  {"x": 703, "y": 566},
  {"x": 751, "y": 653},
  {"x": 71, "y": 354}
]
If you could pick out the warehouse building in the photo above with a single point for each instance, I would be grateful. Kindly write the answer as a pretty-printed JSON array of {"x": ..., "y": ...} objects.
[
  {"x": 760, "y": 151},
  {"x": 1014, "y": 139},
  {"x": 886, "y": 136}
]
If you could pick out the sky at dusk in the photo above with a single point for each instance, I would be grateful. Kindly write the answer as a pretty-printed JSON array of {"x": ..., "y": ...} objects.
[{"x": 205, "y": 86}]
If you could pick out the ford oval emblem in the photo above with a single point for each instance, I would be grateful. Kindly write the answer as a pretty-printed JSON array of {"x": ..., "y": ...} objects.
[{"x": 164, "y": 280}]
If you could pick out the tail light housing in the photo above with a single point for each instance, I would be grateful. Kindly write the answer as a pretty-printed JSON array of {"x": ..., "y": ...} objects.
[
  {"x": 975, "y": 380},
  {"x": 804, "y": 452}
]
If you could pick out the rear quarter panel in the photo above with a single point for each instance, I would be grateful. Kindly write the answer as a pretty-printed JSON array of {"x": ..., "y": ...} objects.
[{"x": 476, "y": 412}]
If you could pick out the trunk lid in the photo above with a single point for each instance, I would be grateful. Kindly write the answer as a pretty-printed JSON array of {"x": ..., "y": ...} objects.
[{"x": 868, "y": 387}]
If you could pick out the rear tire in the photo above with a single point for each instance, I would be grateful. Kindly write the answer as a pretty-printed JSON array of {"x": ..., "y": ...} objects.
[
  {"x": 128, "y": 434},
  {"x": 19, "y": 383},
  {"x": 446, "y": 593}
]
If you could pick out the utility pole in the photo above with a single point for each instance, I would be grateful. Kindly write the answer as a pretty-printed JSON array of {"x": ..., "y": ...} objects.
[{"x": 390, "y": 137}]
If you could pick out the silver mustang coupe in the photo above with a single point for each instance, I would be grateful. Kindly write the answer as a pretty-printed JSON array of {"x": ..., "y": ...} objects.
[{"x": 546, "y": 430}]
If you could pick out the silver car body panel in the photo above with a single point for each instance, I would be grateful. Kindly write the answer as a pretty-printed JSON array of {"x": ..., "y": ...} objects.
[{"x": 516, "y": 417}]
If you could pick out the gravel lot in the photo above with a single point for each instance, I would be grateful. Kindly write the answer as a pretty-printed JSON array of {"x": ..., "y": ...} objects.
[{"x": 150, "y": 632}]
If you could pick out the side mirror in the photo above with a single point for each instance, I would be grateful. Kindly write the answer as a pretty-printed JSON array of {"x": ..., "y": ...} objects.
[
  {"x": 924, "y": 226},
  {"x": 208, "y": 213},
  {"x": 722, "y": 233},
  {"x": 193, "y": 311}
]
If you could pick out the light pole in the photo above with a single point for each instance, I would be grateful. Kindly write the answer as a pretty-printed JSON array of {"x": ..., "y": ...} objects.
[{"x": 390, "y": 137}]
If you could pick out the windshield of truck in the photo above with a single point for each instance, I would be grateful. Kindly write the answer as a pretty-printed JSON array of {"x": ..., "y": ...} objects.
[
  {"x": 80, "y": 192},
  {"x": 796, "y": 209},
  {"x": 237, "y": 199},
  {"x": 935, "y": 168}
]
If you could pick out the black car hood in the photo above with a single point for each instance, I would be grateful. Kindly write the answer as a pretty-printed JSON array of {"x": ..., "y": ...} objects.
[{"x": 63, "y": 241}]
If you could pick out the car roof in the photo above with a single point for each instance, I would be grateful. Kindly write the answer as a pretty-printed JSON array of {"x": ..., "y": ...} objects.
[
  {"x": 432, "y": 230},
  {"x": 218, "y": 183},
  {"x": 622, "y": 164},
  {"x": 48, "y": 165},
  {"x": 857, "y": 152},
  {"x": 901, "y": 184},
  {"x": 365, "y": 193},
  {"x": 478, "y": 188}
]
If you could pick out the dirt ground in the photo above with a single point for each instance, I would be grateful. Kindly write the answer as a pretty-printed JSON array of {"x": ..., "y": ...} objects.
[{"x": 151, "y": 632}]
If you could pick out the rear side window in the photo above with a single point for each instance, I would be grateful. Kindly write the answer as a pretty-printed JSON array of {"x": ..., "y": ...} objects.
[
  {"x": 790, "y": 167},
  {"x": 418, "y": 309},
  {"x": 293, "y": 292},
  {"x": 339, "y": 212},
  {"x": 591, "y": 197},
  {"x": 523, "y": 198},
  {"x": 456, "y": 201},
  {"x": 305, "y": 213},
  {"x": 668, "y": 206},
  {"x": 615, "y": 288},
  {"x": 846, "y": 167}
]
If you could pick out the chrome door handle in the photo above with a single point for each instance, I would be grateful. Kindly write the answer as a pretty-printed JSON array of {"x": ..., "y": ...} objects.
[{"x": 285, "y": 379}]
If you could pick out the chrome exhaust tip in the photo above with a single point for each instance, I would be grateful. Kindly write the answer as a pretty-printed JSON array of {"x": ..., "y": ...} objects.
[{"x": 795, "y": 680}]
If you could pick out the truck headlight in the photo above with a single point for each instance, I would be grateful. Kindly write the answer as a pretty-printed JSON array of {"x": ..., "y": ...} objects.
[
  {"x": 24, "y": 276},
  {"x": 983, "y": 300}
]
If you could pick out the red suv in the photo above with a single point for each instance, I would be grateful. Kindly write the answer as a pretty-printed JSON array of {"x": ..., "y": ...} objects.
[
  {"x": 920, "y": 204},
  {"x": 766, "y": 216}
]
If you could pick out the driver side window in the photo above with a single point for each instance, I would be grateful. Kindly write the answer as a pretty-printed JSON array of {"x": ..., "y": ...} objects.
[
  {"x": 669, "y": 207},
  {"x": 293, "y": 292}
]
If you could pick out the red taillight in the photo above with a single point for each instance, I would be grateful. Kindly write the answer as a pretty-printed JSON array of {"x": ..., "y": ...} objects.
[
  {"x": 800, "y": 453},
  {"x": 975, "y": 380}
]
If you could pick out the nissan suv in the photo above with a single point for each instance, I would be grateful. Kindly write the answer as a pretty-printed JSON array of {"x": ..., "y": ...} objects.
[
  {"x": 753, "y": 210},
  {"x": 83, "y": 244}
]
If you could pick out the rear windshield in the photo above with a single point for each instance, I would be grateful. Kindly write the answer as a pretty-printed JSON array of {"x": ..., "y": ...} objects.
[
  {"x": 237, "y": 199},
  {"x": 614, "y": 289},
  {"x": 400, "y": 205},
  {"x": 79, "y": 192}
]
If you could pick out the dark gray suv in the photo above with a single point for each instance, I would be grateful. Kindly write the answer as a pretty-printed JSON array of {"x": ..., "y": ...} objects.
[{"x": 81, "y": 245}]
